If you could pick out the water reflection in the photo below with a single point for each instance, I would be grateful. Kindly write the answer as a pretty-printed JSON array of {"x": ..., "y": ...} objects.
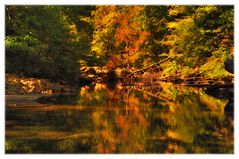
[{"x": 133, "y": 119}]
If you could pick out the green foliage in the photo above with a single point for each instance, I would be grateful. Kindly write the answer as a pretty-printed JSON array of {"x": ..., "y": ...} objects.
[
  {"x": 199, "y": 34},
  {"x": 171, "y": 69},
  {"x": 157, "y": 16},
  {"x": 23, "y": 43},
  {"x": 53, "y": 41},
  {"x": 214, "y": 68},
  {"x": 44, "y": 41}
]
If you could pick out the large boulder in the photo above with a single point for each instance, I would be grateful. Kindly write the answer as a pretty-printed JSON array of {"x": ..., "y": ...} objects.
[{"x": 229, "y": 64}]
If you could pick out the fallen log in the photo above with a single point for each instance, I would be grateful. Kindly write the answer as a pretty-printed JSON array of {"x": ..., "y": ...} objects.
[{"x": 141, "y": 71}]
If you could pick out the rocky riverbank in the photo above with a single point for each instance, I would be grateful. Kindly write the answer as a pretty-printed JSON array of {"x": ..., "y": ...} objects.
[{"x": 16, "y": 85}]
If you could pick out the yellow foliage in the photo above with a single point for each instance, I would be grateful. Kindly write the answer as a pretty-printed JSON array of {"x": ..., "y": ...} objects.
[
  {"x": 133, "y": 102},
  {"x": 215, "y": 105},
  {"x": 176, "y": 10},
  {"x": 205, "y": 9},
  {"x": 73, "y": 29},
  {"x": 108, "y": 136},
  {"x": 172, "y": 25},
  {"x": 217, "y": 30},
  {"x": 180, "y": 136}
]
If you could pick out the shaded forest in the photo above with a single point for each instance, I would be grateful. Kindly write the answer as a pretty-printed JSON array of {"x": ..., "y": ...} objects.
[
  {"x": 60, "y": 42},
  {"x": 119, "y": 79}
]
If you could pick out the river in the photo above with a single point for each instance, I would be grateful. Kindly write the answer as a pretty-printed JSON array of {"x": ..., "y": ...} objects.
[{"x": 119, "y": 119}]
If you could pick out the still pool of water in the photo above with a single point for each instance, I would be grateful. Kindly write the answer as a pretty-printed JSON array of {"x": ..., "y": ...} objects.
[{"x": 100, "y": 119}]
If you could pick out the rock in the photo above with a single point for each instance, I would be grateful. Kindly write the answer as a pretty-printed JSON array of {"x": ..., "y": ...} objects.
[
  {"x": 22, "y": 85},
  {"x": 223, "y": 93},
  {"x": 229, "y": 108},
  {"x": 91, "y": 75},
  {"x": 112, "y": 85},
  {"x": 211, "y": 82},
  {"x": 84, "y": 80},
  {"x": 99, "y": 79},
  {"x": 111, "y": 76},
  {"x": 90, "y": 70},
  {"x": 98, "y": 70},
  {"x": 228, "y": 79},
  {"x": 176, "y": 80},
  {"x": 229, "y": 64},
  {"x": 105, "y": 70},
  {"x": 82, "y": 69}
]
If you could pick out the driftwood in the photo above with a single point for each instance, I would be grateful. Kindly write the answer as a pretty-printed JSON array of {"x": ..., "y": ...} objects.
[{"x": 155, "y": 65}]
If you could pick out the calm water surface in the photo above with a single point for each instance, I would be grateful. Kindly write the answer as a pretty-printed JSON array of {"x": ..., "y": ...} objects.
[{"x": 99, "y": 119}]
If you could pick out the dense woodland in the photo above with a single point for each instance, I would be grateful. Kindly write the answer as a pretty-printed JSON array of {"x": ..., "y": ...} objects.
[
  {"x": 54, "y": 42},
  {"x": 137, "y": 64}
]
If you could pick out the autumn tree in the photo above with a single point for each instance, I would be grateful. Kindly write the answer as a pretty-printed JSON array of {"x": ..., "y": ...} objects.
[
  {"x": 119, "y": 32},
  {"x": 103, "y": 21},
  {"x": 130, "y": 33},
  {"x": 54, "y": 41}
]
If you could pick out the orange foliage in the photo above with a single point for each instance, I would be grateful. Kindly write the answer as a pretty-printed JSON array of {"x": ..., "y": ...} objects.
[
  {"x": 130, "y": 31},
  {"x": 119, "y": 31},
  {"x": 108, "y": 144},
  {"x": 120, "y": 121},
  {"x": 124, "y": 126},
  {"x": 113, "y": 62},
  {"x": 100, "y": 148},
  {"x": 105, "y": 15}
]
